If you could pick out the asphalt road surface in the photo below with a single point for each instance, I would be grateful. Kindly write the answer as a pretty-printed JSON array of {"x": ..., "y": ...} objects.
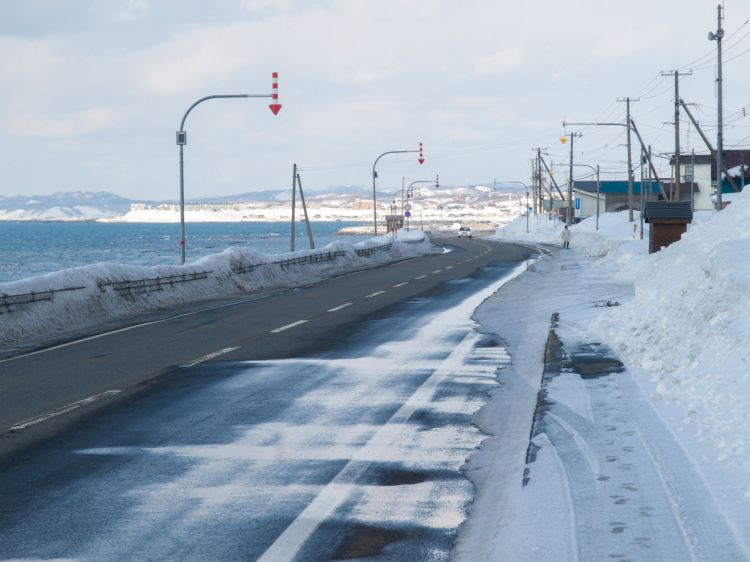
[{"x": 328, "y": 422}]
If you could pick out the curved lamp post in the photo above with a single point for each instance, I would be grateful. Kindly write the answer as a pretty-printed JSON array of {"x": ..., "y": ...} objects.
[
  {"x": 526, "y": 187},
  {"x": 182, "y": 141},
  {"x": 375, "y": 175},
  {"x": 409, "y": 193}
]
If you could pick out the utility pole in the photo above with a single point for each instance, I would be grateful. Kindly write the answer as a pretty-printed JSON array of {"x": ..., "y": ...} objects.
[
  {"x": 675, "y": 194},
  {"x": 304, "y": 208},
  {"x": 569, "y": 220},
  {"x": 720, "y": 131},
  {"x": 294, "y": 204},
  {"x": 630, "y": 158},
  {"x": 539, "y": 178}
]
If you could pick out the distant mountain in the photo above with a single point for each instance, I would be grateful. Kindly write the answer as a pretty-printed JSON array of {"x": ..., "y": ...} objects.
[
  {"x": 76, "y": 205},
  {"x": 88, "y": 205}
]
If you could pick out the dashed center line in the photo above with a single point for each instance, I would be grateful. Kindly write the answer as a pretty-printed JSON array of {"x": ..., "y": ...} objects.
[
  {"x": 448, "y": 267},
  {"x": 292, "y": 325},
  {"x": 401, "y": 284},
  {"x": 340, "y": 307},
  {"x": 420, "y": 277},
  {"x": 64, "y": 410},
  {"x": 437, "y": 271},
  {"x": 373, "y": 295},
  {"x": 195, "y": 362}
]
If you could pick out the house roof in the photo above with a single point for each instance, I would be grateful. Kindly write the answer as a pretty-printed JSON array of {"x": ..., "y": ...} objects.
[
  {"x": 668, "y": 210},
  {"x": 620, "y": 187},
  {"x": 693, "y": 159}
]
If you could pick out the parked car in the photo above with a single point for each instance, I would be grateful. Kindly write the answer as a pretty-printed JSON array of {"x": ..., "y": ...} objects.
[{"x": 464, "y": 232}]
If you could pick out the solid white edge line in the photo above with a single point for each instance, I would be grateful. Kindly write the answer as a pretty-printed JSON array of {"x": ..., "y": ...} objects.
[
  {"x": 373, "y": 295},
  {"x": 286, "y": 547},
  {"x": 194, "y": 362},
  {"x": 337, "y": 308},
  {"x": 64, "y": 410},
  {"x": 133, "y": 327},
  {"x": 292, "y": 325}
]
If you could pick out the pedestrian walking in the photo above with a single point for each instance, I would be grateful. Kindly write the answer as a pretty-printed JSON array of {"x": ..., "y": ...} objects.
[{"x": 567, "y": 236}]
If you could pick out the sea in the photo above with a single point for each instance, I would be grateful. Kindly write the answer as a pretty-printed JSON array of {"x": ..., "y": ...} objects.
[{"x": 28, "y": 249}]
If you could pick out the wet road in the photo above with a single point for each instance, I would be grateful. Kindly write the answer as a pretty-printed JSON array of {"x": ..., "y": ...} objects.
[{"x": 343, "y": 440}]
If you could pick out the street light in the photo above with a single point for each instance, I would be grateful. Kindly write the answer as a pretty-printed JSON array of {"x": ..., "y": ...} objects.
[
  {"x": 182, "y": 141},
  {"x": 563, "y": 140},
  {"x": 597, "y": 189},
  {"x": 527, "y": 199},
  {"x": 409, "y": 193},
  {"x": 375, "y": 175}
]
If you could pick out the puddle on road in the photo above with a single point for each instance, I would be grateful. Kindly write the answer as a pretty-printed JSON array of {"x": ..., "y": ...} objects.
[
  {"x": 588, "y": 361},
  {"x": 363, "y": 541}
]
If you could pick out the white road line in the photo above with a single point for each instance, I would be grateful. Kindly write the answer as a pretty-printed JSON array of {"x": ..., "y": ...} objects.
[
  {"x": 420, "y": 277},
  {"x": 373, "y": 295},
  {"x": 286, "y": 547},
  {"x": 64, "y": 410},
  {"x": 448, "y": 267},
  {"x": 195, "y": 362},
  {"x": 292, "y": 325},
  {"x": 401, "y": 284},
  {"x": 134, "y": 326},
  {"x": 437, "y": 271},
  {"x": 340, "y": 307}
]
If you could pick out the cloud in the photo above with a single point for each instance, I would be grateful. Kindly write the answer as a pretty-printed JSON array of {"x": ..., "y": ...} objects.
[
  {"x": 501, "y": 62},
  {"x": 89, "y": 121},
  {"x": 133, "y": 10}
]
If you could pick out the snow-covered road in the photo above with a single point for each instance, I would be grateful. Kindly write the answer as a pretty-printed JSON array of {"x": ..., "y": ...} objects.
[
  {"x": 353, "y": 453},
  {"x": 600, "y": 476}
]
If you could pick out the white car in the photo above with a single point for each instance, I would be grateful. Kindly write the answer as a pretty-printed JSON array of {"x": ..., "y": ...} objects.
[{"x": 464, "y": 232}]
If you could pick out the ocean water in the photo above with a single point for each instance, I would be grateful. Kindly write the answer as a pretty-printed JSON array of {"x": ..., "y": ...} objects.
[{"x": 33, "y": 248}]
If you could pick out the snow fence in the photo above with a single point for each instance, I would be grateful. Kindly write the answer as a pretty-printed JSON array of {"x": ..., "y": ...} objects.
[{"x": 45, "y": 308}]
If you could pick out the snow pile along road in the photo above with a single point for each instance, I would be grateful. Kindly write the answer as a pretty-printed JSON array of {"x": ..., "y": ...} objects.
[
  {"x": 686, "y": 328},
  {"x": 42, "y": 309},
  {"x": 689, "y": 327}
]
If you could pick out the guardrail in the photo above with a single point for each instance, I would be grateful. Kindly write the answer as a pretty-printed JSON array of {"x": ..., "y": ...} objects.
[
  {"x": 366, "y": 252},
  {"x": 132, "y": 287},
  {"x": 139, "y": 286},
  {"x": 6, "y": 301},
  {"x": 310, "y": 258}
]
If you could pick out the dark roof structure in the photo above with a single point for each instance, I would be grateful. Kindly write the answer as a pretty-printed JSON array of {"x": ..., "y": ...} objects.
[
  {"x": 666, "y": 211},
  {"x": 693, "y": 159}
]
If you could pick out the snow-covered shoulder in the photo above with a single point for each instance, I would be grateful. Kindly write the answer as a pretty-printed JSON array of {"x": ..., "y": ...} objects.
[{"x": 47, "y": 307}]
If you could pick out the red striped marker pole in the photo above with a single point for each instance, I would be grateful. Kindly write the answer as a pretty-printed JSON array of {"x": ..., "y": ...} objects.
[
  {"x": 421, "y": 154},
  {"x": 275, "y": 106}
]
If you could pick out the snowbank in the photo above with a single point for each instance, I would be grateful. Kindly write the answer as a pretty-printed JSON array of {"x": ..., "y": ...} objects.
[
  {"x": 93, "y": 295},
  {"x": 688, "y": 324},
  {"x": 689, "y": 327}
]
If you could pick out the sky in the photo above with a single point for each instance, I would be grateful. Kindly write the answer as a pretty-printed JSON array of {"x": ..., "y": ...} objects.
[{"x": 94, "y": 90}]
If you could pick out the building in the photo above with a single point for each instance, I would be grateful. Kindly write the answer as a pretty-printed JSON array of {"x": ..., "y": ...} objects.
[
  {"x": 613, "y": 195},
  {"x": 701, "y": 169}
]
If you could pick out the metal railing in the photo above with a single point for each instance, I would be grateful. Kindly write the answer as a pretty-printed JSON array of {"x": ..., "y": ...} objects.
[
  {"x": 366, "y": 252},
  {"x": 6, "y": 300},
  {"x": 139, "y": 286},
  {"x": 310, "y": 258},
  {"x": 131, "y": 287}
]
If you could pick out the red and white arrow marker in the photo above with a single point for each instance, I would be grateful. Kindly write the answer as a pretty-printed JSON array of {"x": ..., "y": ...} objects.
[
  {"x": 421, "y": 154},
  {"x": 275, "y": 106}
]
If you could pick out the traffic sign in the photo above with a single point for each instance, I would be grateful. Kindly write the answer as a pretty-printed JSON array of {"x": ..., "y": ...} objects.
[
  {"x": 407, "y": 207},
  {"x": 407, "y": 213}
]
